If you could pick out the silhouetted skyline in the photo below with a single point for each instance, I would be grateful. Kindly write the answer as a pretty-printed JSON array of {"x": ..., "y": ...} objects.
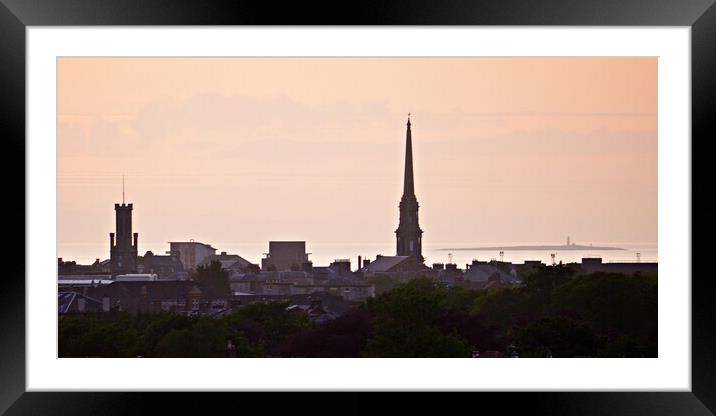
[{"x": 252, "y": 150}]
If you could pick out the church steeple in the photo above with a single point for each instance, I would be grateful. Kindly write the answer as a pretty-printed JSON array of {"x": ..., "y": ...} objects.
[
  {"x": 409, "y": 235},
  {"x": 408, "y": 187}
]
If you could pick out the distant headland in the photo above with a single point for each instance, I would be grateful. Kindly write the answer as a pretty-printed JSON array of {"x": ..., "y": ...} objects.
[{"x": 563, "y": 247}]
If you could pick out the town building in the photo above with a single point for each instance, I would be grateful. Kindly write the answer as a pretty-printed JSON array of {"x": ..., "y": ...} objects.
[
  {"x": 286, "y": 255},
  {"x": 178, "y": 296},
  {"x": 341, "y": 267},
  {"x": 354, "y": 292},
  {"x": 480, "y": 273},
  {"x": 164, "y": 266},
  {"x": 595, "y": 264},
  {"x": 394, "y": 265},
  {"x": 191, "y": 253},
  {"x": 72, "y": 268},
  {"x": 233, "y": 263},
  {"x": 74, "y": 302}
]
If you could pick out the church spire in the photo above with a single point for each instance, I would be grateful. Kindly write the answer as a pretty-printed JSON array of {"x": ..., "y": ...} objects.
[
  {"x": 409, "y": 238},
  {"x": 408, "y": 186}
]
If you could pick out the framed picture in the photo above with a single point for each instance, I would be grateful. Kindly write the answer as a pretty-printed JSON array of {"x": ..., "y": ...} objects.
[{"x": 531, "y": 144}]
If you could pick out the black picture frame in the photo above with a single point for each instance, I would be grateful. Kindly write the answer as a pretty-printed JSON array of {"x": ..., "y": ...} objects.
[{"x": 16, "y": 15}]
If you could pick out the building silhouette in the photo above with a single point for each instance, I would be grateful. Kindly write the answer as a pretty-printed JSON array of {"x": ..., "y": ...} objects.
[
  {"x": 191, "y": 253},
  {"x": 409, "y": 235},
  {"x": 123, "y": 250},
  {"x": 286, "y": 255}
]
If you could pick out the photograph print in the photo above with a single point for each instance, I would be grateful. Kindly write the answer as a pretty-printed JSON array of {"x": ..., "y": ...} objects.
[{"x": 357, "y": 207}]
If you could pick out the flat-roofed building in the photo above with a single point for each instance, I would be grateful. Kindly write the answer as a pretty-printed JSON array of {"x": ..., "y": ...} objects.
[{"x": 285, "y": 255}]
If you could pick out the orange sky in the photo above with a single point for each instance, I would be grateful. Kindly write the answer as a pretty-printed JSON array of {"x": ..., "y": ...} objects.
[{"x": 248, "y": 150}]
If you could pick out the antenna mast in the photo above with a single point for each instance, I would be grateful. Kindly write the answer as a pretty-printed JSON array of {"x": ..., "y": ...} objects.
[{"x": 122, "y": 189}]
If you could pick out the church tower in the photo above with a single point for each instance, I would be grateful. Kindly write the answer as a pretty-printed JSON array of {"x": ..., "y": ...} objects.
[
  {"x": 123, "y": 251},
  {"x": 409, "y": 235}
]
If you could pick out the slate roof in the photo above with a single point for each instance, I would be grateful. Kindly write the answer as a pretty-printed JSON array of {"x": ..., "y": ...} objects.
[
  {"x": 66, "y": 302},
  {"x": 158, "y": 289},
  {"x": 228, "y": 261},
  {"x": 384, "y": 264},
  {"x": 482, "y": 273}
]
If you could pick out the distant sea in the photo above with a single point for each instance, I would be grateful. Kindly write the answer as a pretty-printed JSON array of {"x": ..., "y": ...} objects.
[{"x": 324, "y": 253}]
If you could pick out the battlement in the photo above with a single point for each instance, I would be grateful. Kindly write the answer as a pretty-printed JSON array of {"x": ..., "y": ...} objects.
[{"x": 123, "y": 206}]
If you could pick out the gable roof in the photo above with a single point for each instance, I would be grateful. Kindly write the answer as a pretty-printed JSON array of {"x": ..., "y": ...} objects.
[
  {"x": 384, "y": 264},
  {"x": 65, "y": 301},
  {"x": 228, "y": 261},
  {"x": 482, "y": 273}
]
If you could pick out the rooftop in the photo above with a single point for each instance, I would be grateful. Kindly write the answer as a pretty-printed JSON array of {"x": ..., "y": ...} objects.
[{"x": 384, "y": 263}]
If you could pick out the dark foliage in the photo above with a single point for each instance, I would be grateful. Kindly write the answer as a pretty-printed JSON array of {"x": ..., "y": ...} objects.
[
  {"x": 556, "y": 313},
  {"x": 343, "y": 337},
  {"x": 214, "y": 277}
]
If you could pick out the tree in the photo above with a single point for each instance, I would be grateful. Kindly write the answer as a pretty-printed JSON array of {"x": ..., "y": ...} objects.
[
  {"x": 615, "y": 305},
  {"x": 206, "y": 338},
  {"x": 473, "y": 330},
  {"x": 267, "y": 325},
  {"x": 214, "y": 277},
  {"x": 343, "y": 337},
  {"x": 546, "y": 278},
  {"x": 405, "y": 324},
  {"x": 95, "y": 335},
  {"x": 557, "y": 338},
  {"x": 382, "y": 283},
  {"x": 506, "y": 308},
  {"x": 628, "y": 347},
  {"x": 158, "y": 327}
]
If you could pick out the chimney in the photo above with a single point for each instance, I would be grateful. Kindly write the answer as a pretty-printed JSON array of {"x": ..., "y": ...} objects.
[
  {"x": 136, "y": 238},
  {"x": 366, "y": 262},
  {"x": 359, "y": 262},
  {"x": 111, "y": 240}
]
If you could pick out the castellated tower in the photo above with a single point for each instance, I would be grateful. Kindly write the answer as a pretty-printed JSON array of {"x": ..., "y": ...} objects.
[{"x": 123, "y": 250}]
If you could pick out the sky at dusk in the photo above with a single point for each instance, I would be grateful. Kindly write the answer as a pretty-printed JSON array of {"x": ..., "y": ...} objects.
[{"x": 247, "y": 150}]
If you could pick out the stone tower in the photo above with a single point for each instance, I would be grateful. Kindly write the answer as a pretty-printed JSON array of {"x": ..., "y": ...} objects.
[
  {"x": 409, "y": 235},
  {"x": 123, "y": 251}
]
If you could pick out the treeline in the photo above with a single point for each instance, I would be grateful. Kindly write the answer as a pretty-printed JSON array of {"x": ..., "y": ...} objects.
[{"x": 554, "y": 314}]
